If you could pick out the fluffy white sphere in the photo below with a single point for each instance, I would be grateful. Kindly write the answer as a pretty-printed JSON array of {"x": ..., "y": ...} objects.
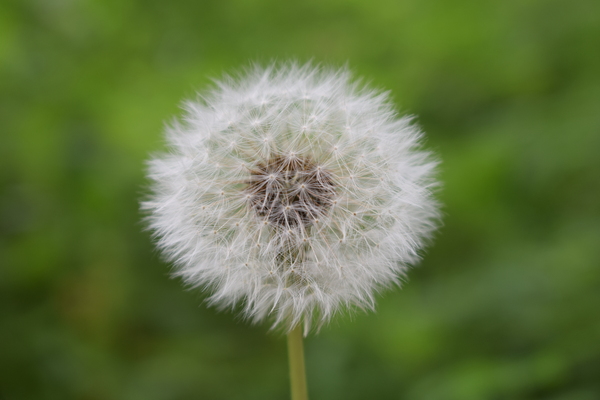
[{"x": 292, "y": 192}]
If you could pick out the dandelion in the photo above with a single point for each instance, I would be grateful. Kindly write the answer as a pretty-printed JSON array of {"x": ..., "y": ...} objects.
[{"x": 293, "y": 193}]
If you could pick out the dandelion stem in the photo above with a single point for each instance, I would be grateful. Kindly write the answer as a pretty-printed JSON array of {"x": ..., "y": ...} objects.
[{"x": 297, "y": 370}]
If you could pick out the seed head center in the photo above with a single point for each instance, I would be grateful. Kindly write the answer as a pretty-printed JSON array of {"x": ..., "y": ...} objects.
[{"x": 290, "y": 192}]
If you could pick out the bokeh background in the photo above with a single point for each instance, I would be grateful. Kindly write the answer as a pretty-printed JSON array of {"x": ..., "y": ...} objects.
[{"x": 505, "y": 305}]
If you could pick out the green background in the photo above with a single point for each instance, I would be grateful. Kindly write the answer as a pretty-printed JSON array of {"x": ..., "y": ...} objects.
[{"x": 505, "y": 304}]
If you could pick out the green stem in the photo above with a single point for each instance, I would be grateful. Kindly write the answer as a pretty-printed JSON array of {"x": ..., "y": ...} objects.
[{"x": 297, "y": 370}]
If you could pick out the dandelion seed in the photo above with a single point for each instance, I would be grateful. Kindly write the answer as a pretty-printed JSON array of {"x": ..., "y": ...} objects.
[{"x": 357, "y": 177}]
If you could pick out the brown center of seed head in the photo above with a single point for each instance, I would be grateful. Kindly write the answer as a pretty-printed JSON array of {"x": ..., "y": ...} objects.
[{"x": 290, "y": 192}]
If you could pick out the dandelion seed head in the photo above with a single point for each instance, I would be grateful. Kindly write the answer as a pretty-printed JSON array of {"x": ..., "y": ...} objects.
[{"x": 294, "y": 193}]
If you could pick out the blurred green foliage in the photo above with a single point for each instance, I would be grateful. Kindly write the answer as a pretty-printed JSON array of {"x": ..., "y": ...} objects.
[{"x": 505, "y": 304}]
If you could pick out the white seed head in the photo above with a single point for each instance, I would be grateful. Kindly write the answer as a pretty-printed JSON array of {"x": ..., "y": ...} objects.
[{"x": 294, "y": 193}]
